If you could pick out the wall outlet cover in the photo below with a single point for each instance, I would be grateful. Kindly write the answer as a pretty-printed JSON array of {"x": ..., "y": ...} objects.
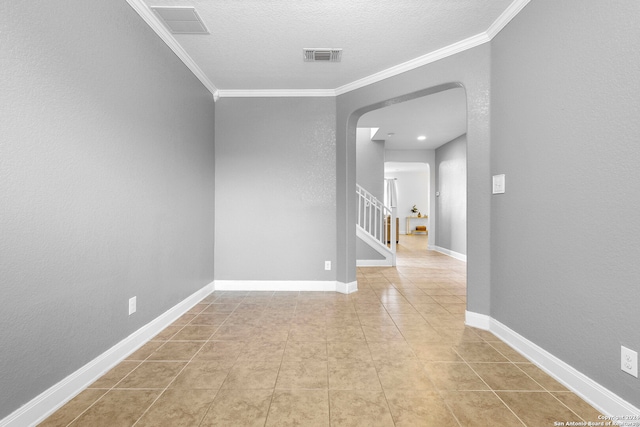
[
  {"x": 327, "y": 265},
  {"x": 629, "y": 361}
]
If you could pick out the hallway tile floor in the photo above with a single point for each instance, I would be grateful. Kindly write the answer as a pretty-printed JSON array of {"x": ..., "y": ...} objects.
[{"x": 395, "y": 353}]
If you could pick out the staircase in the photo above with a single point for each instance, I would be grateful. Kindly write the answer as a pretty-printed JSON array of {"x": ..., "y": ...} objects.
[{"x": 371, "y": 229}]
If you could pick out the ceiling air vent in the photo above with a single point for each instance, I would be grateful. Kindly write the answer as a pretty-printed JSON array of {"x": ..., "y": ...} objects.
[
  {"x": 322, "y": 55},
  {"x": 181, "y": 20}
]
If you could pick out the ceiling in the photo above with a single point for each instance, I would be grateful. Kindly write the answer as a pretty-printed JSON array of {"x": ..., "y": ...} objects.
[
  {"x": 256, "y": 45},
  {"x": 440, "y": 117}
]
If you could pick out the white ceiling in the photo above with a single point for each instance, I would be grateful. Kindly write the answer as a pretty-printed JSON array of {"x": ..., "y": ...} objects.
[
  {"x": 440, "y": 117},
  {"x": 257, "y": 44}
]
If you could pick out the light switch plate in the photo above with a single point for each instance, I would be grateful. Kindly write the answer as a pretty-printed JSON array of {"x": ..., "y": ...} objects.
[
  {"x": 498, "y": 184},
  {"x": 132, "y": 305}
]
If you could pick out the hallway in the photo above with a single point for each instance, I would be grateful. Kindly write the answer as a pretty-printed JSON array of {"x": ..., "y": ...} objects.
[{"x": 395, "y": 353}]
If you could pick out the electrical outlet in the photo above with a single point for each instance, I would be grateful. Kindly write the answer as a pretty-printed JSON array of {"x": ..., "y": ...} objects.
[
  {"x": 327, "y": 265},
  {"x": 629, "y": 361},
  {"x": 132, "y": 305}
]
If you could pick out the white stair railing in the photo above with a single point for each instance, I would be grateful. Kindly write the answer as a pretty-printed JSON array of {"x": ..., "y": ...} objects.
[{"x": 371, "y": 218}]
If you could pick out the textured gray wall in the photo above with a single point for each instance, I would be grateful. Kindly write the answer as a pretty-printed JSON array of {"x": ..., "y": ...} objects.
[
  {"x": 451, "y": 182},
  {"x": 275, "y": 192},
  {"x": 565, "y": 131},
  {"x": 370, "y": 163},
  {"x": 470, "y": 68},
  {"x": 106, "y": 186}
]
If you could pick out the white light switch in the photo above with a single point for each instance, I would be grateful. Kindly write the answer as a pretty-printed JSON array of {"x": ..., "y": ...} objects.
[{"x": 498, "y": 184}]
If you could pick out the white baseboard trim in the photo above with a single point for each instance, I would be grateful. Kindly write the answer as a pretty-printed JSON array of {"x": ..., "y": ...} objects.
[
  {"x": 347, "y": 288},
  {"x": 452, "y": 254},
  {"x": 476, "y": 320},
  {"x": 373, "y": 263},
  {"x": 49, "y": 401},
  {"x": 275, "y": 285},
  {"x": 596, "y": 395}
]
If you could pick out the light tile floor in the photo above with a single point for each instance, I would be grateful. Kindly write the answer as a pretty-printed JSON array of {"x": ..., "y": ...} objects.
[{"x": 395, "y": 353}]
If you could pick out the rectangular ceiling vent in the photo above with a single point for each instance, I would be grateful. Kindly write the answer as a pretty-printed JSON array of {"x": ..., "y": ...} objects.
[
  {"x": 181, "y": 20},
  {"x": 322, "y": 55}
]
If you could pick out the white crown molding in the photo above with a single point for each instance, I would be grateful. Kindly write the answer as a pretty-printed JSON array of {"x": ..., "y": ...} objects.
[
  {"x": 593, "y": 393},
  {"x": 506, "y": 17},
  {"x": 150, "y": 18},
  {"x": 50, "y": 400},
  {"x": 276, "y": 93},
  {"x": 420, "y": 61}
]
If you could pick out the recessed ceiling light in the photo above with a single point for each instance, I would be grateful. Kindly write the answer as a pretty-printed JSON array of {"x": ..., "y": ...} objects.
[{"x": 422, "y": 138}]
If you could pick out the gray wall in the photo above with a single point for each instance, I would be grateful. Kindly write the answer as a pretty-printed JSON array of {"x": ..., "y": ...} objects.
[
  {"x": 106, "y": 186},
  {"x": 275, "y": 192},
  {"x": 366, "y": 252},
  {"x": 565, "y": 130},
  {"x": 370, "y": 163},
  {"x": 451, "y": 183},
  {"x": 471, "y": 69}
]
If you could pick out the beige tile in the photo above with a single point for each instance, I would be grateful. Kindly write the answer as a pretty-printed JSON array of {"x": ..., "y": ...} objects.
[
  {"x": 434, "y": 352},
  {"x": 454, "y": 376},
  {"x": 233, "y": 332},
  {"x": 578, "y": 406},
  {"x": 183, "y": 320},
  {"x": 299, "y": 408},
  {"x": 203, "y": 374},
  {"x": 352, "y": 408},
  {"x": 508, "y": 352},
  {"x": 308, "y": 332},
  {"x": 504, "y": 376},
  {"x": 541, "y": 377},
  {"x": 178, "y": 408},
  {"x": 419, "y": 408},
  {"x": 221, "y": 351},
  {"x": 391, "y": 350},
  {"x": 167, "y": 333},
  {"x": 117, "y": 408},
  {"x": 479, "y": 352},
  {"x": 271, "y": 333},
  {"x": 268, "y": 351},
  {"x": 382, "y": 333},
  {"x": 195, "y": 333},
  {"x": 209, "y": 319},
  {"x": 302, "y": 350},
  {"x": 238, "y": 408},
  {"x": 73, "y": 408},
  {"x": 152, "y": 375},
  {"x": 348, "y": 350},
  {"x": 308, "y": 374},
  {"x": 252, "y": 375},
  {"x": 112, "y": 377},
  {"x": 145, "y": 351},
  {"x": 176, "y": 350},
  {"x": 345, "y": 333},
  {"x": 403, "y": 375},
  {"x": 537, "y": 408},
  {"x": 353, "y": 375},
  {"x": 220, "y": 308},
  {"x": 480, "y": 408}
]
